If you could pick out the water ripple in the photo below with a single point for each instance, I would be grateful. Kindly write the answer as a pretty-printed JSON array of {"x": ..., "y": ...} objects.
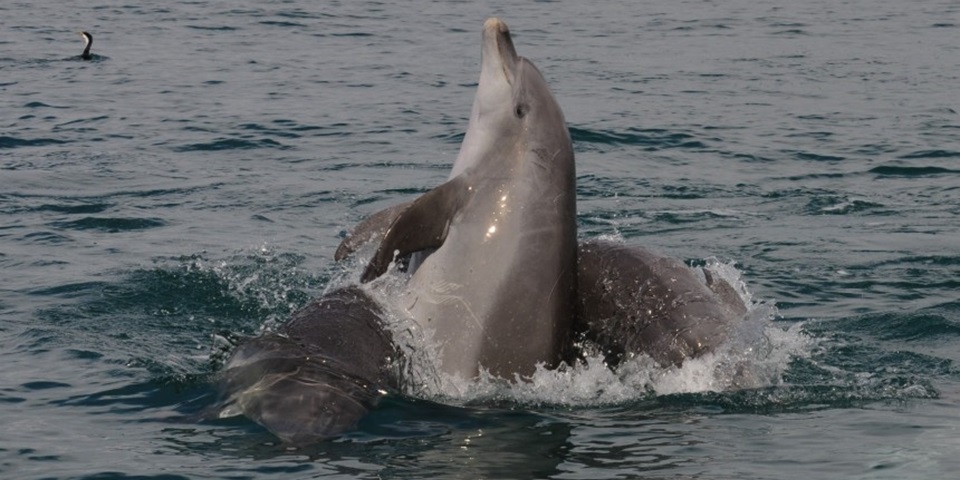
[
  {"x": 110, "y": 224},
  {"x": 231, "y": 144},
  {"x": 653, "y": 139},
  {"x": 908, "y": 171},
  {"x": 16, "y": 142}
]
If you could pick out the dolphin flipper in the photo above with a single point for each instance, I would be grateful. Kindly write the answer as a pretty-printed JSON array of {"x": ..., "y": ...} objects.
[
  {"x": 372, "y": 227},
  {"x": 421, "y": 226},
  {"x": 725, "y": 292}
]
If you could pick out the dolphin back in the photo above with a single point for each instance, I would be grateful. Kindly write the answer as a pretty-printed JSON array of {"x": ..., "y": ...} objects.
[
  {"x": 318, "y": 375},
  {"x": 634, "y": 301}
]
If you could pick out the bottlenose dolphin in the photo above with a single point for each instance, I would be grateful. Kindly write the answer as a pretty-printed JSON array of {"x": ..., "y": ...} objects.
[
  {"x": 498, "y": 289},
  {"x": 632, "y": 300},
  {"x": 318, "y": 374},
  {"x": 502, "y": 282}
]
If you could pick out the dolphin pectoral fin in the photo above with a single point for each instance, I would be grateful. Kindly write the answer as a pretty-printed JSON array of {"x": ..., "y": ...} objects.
[
  {"x": 725, "y": 292},
  {"x": 374, "y": 226},
  {"x": 421, "y": 226}
]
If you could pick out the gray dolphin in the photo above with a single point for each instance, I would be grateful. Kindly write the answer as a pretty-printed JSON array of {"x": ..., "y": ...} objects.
[
  {"x": 498, "y": 288},
  {"x": 318, "y": 374},
  {"x": 629, "y": 300},
  {"x": 502, "y": 285},
  {"x": 632, "y": 300}
]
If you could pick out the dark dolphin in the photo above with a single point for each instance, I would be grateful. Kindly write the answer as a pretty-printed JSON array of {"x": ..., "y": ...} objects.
[
  {"x": 632, "y": 300},
  {"x": 627, "y": 300},
  {"x": 318, "y": 374},
  {"x": 497, "y": 290}
]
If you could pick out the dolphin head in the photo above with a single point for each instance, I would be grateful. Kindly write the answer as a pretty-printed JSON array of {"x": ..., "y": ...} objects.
[{"x": 512, "y": 102}]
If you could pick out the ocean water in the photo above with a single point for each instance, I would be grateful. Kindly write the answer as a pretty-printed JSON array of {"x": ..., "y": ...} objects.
[{"x": 189, "y": 185}]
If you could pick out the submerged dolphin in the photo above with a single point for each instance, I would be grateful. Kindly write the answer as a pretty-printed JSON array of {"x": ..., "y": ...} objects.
[
  {"x": 318, "y": 374},
  {"x": 634, "y": 301},
  {"x": 498, "y": 288}
]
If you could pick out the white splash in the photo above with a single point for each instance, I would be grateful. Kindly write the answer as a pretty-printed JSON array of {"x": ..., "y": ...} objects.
[{"x": 756, "y": 355}]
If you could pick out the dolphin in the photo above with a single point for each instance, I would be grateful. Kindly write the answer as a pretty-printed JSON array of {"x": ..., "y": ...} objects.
[
  {"x": 500, "y": 278},
  {"x": 498, "y": 289},
  {"x": 632, "y": 300},
  {"x": 318, "y": 374},
  {"x": 629, "y": 300}
]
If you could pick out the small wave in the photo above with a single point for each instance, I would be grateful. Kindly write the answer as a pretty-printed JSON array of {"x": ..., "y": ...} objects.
[
  {"x": 41, "y": 105},
  {"x": 795, "y": 398},
  {"x": 43, "y": 385},
  {"x": 692, "y": 216},
  {"x": 931, "y": 154},
  {"x": 279, "y": 23},
  {"x": 7, "y": 398},
  {"x": 70, "y": 290},
  {"x": 654, "y": 139},
  {"x": 303, "y": 14},
  {"x": 111, "y": 225},
  {"x": 138, "y": 398},
  {"x": 74, "y": 209},
  {"x": 792, "y": 32},
  {"x": 869, "y": 358},
  {"x": 286, "y": 133},
  {"x": 219, "y": 28},
  {"x": 160, "y": 320},
  {"x": 262, "y": 285},
  {"x": 231, "y": 144},
  {"x": 839, "y": 205},
  {"x": 816, "y": 157},
  {"x": 15, "y": 142},
  {"x": 935, "y": 323},
  {"x": 352, "y": 34},
  {"x": 907, "y": 171},
  {"x": 46, "y": 238}
]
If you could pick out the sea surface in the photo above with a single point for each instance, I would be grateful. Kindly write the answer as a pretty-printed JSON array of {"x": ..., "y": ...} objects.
[{"x": 188, "y": 187}]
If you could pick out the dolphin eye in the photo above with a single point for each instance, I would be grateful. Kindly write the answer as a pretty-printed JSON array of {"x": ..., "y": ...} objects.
[{"x": 520, "y": 110}]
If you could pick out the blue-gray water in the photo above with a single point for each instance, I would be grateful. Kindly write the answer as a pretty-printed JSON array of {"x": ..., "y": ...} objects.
[{"x": 191, "y": 183}]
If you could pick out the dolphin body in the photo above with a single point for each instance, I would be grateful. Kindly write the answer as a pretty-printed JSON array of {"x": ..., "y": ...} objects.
[
  {"x": 628, "y": 300},
  {"x": 318, "y": 374},
  {"x": 632, "y": 301},
  {"x": 498, "y": 289}
]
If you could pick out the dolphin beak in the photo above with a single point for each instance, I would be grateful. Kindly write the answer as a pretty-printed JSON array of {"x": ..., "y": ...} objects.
[{"x": 498, "y": 51}]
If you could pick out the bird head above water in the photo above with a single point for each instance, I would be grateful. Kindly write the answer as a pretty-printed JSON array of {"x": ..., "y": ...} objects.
[{"x": 88, "y": 41}]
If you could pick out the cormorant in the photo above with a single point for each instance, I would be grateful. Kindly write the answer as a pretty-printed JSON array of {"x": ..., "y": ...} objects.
[{"x": 88, "y": 40}]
